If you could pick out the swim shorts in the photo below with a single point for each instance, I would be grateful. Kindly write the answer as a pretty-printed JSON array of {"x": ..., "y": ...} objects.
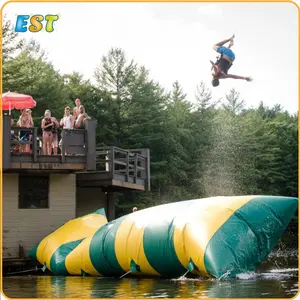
[
  {"x": 227, "y": 52},
  {"x": 224, "y": 65}
]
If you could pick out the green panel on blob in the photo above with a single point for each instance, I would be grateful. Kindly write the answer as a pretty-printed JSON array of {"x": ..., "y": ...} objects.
[
  {"x": 245, "y": 240},
  {"x": 32, "y": 253},
  {"x": 100, "y": 211},
  {"x": 58, "y": 259},
  {"x": 160, "y": 251},
  {"x": 102, "y": 250}
]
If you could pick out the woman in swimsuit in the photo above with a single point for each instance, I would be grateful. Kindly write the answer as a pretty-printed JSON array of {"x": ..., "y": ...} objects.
[
  {"x": 24, "y": 122},
  {"x": 47, "y": 126}
]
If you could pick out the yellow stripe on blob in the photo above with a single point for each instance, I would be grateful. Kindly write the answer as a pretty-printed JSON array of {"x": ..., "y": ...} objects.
[
  {"x": 79, "y": 259},
  {"x": 129, "y": 244},
  {"x": 73, "y": 230},
  {"x": 192, "y": 233}
]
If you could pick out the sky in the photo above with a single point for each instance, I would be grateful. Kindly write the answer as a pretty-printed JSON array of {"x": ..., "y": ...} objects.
[{"x": 175, "y": 42}]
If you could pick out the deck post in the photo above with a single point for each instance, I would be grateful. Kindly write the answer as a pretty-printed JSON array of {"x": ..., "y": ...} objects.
[
  {"x": 111, "y": 209},
  {"x": 146, "y": 164},
  {"x": 91, "y": 144},
  {"x": 34, "y": 144},
  {"x": 6, "y": 141}
]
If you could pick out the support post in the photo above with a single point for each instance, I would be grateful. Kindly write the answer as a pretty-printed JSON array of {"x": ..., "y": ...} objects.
[
  {"x": 91, "y": 144},
  {"x": 34, "y": 144},
  {"x": 111, "y": 209},
  {"x": 6, "y": 141},
  {"x": 146, "y": 164},
  {"x": 63, "y": 146}
]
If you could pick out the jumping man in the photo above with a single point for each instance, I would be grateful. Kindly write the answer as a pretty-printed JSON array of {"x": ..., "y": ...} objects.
[{"x": 223, "y": 64}]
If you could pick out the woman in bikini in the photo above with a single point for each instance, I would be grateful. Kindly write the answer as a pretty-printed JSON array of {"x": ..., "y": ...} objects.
[
  {"x": 47, "y": 126},
  {"x": 24, "y": 122},
  {"x": 54, "y": 134}
]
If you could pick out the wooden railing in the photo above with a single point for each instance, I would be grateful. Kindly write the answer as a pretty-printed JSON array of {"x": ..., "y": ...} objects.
[
  {"x": 132, "y": 164},
  {"x": 24, "y": 145},
  {"x": 26, "y": 141}
]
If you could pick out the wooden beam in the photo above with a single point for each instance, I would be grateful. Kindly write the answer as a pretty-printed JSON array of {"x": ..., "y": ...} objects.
[
  {"x": 120, "y": 185},
  {"x": 46, "y": 166},
  {"x": 102, "y": 175},
  {"x": 94, "y": 183},
  {"x": 127, "y": 185},
  {"x": 38, "y": 171}
]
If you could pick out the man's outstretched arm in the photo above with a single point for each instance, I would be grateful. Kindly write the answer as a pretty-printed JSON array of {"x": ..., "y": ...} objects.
[{"x": 238, "y": 77}]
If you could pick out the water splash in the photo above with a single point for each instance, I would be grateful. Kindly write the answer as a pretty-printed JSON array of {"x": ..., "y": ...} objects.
[
  {"x": 225, "y": 275},
  {"x": 246, "y": 276},
  {"x": 182, "y": 277},
  {"x": 283, "y": 253}
]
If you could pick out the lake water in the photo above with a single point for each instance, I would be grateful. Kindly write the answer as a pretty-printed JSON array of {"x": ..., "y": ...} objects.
[{"x": 277, "y": 277}]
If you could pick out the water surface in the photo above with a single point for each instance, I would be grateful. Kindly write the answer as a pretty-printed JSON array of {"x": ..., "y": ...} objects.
[{"x": 276, "y": 278}]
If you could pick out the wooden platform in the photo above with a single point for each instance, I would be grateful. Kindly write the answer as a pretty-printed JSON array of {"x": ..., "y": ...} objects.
[
  {"x": 118, "y": 169},
  {"x": 13, "y": 166},
  {"x": 106, "y": 180},
  {"x": 77, "y": 151}
]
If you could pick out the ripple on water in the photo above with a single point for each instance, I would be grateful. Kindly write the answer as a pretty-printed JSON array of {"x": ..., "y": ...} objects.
[
  {"x": 284, "y": 270},
  {"x": 268, "y": 283},
  {"x": 277, "y": 275}
]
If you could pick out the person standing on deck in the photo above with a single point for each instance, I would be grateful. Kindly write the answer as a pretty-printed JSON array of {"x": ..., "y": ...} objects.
[{"x": 76, "y": 110}]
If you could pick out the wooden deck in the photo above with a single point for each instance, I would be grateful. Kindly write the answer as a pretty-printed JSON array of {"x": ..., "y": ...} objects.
[
  {"x": 111, "y": 168},
  {"x": 118, "y": 169},
  {"x": 105, "y": 180},
  {"x": 76, "y": 153}
]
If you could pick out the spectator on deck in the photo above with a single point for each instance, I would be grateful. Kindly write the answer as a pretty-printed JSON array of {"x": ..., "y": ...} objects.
[
  {"x": 24, "y": 122},
  {"x": 16, "y": 143},
  {"x": 54, "y": 134},
  {"x": 76, "y": 110},
  {"x": 82, "y": 118},
  {"x": 47, "y": 126},
  {"x": 67, "y": 122}
]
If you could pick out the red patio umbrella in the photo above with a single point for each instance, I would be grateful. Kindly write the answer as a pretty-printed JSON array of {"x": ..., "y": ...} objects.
[{"x": 18, "y": 101}]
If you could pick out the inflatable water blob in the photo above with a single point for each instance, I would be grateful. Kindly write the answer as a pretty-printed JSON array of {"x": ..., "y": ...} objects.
[
  {"x": 63, "y": 247},
  {"x": 211, "y": 237}
]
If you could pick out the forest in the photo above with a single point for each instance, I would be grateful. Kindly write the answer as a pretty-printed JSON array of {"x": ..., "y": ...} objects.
[{"x": 200, "y": 146}]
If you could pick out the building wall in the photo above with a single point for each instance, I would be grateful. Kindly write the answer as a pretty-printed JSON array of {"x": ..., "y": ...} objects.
[
  {"x": 29, "y": 226},
  {"x": 89, "y": 199}
]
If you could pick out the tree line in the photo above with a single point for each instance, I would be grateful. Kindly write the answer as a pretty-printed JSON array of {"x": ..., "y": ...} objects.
[{"x": 200, "y": 146}]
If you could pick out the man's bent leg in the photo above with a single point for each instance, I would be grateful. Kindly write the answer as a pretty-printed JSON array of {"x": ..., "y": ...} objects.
[
  {"x": 224, "y": 42},
  {"x": 231, "y": 44}
]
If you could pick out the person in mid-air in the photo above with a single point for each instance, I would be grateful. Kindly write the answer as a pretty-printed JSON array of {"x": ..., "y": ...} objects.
[{"x": 224, "y": 62}]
